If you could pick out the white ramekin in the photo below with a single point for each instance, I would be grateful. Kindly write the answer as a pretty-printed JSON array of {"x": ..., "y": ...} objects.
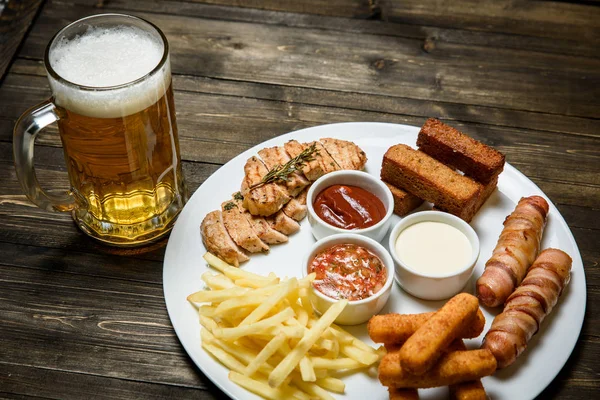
[
  {"x": 433, "y": 287},
  {"x": 321, "y": 229},
  {"x": 357, "y": 311}
]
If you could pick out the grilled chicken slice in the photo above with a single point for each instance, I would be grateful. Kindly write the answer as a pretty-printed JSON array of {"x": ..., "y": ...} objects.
[
  {"x": 312, "y": 169},
  {"x": 327, "y": 163},
  {"x": 265, "y": 199},
  {"x": 346, "y": 154},
  {"x": 217, "y": 240},
  {"x": 240, "y": 229},
  {"x": 275, "y": 156},
  {"x": 259, "y": 224},
  {"x": 296, "y": 207},
  {"x": 282, "y": 223}
]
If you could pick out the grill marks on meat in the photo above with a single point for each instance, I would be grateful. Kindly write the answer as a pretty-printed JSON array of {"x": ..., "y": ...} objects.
[
  {"x": 284, "y": 224},
  {"x": 265, "y": 199},
  {"x": 217, "y": 240},
  {"x": 312, "y": 170},
  {"x": 346, "y": 154},
  {"x": 266, "y": 214},
  {"x": 240, "y": 230},
  {"x": 274, "y": 156},
  {"x": 260, "y": 225},
  {"x": 527, "y": 306},
  {"x": 296, "y": 208}
]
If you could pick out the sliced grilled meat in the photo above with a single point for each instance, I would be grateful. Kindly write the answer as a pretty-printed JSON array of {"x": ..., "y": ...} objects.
[{"x": 217, "y": 240}]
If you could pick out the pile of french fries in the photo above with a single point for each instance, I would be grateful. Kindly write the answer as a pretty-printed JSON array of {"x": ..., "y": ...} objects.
[
  {"x": 427, "y": 350},
  {"x": 264, "y": 330}
]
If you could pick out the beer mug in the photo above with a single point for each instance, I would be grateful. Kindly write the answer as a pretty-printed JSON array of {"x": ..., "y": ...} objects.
[{"x": 112, "y": 98}]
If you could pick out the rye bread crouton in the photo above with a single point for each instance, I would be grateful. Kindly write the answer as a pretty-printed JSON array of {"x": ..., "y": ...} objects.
[
  {"x": 457, "y": 150},
  {"x": 429, "y": 179}
]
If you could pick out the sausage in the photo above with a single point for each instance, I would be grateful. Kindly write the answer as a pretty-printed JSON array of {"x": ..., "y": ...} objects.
[
  {"x": 426, "y": 345},
  {"x": 517, "y": 248},
  {"x": 397, "y": 328},
  {"x": 454, "y": 367},
  {"x": 527, "y": 307}
]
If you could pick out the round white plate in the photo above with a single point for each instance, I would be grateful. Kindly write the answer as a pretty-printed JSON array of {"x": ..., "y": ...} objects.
[{"x": 534, "y": 370}]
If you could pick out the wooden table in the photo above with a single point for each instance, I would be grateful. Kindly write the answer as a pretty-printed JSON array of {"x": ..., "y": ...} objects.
[{"x": 80, "y": 320}]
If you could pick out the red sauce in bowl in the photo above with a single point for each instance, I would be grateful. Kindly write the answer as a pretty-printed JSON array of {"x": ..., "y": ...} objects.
[
  {"x": 348, "y": 271},
  {"x": 349, "y": 207}
]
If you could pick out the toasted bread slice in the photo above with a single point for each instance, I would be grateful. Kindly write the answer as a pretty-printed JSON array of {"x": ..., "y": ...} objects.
[
  {"x": 217, "y": 240},
  {"x": 457, "y": 150},
  {"x": 404, "y": 202},
  {"x": 429, "y": 179}
]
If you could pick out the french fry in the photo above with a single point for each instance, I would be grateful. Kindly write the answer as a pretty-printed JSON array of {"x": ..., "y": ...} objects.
[
  {"x": 205, "y": 296},
  {"x": 306, "y": 370},
  {"x": 265, "y": 354},
  {"x": 226, "y": 359},
  {"x": 267, "y": 305},
  {"x": 332, "y": 384},
  {"x": 257, "y": 327},
  {"x": 257, "y": 387},
  {"x": 286, "y": 366},
  {"x": 265, "y": 331},
  {"x": 363, "y": 357},
  {"x": 338, "y": 363},
  {"x": 217, "y": 281}
]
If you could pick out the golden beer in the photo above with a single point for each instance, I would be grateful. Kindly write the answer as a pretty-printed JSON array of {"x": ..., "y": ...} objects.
[{"x": 113, "y": 101}]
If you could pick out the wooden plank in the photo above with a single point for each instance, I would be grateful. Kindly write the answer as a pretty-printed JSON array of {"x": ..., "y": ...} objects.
[
  {"x": 21, "y": 380},
  {"x": 424, "y": 33},
  {"x": 344, "y": 8},
  {"x": 290, "y": 94},
  {"x": 537, "y": 18},
  {"x": 543, "y": 155},
  {"x": 15, "y": 19},
  {"x": 365, "y": 63}
]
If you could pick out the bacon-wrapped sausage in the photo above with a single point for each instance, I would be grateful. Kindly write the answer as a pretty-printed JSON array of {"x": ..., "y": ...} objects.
[
  {"x": 527, "y": 307},
  {"x": 517, "y": 247}
]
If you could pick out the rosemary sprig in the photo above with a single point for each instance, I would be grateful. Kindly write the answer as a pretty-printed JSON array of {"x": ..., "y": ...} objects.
[{"x": 281, "y": 173}]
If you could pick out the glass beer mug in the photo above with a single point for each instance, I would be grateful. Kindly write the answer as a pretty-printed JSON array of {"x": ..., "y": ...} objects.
[{"x": 112, "y": 98}]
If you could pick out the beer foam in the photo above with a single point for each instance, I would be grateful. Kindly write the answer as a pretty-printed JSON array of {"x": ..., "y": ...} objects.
[{"x": 104, "y": 57}]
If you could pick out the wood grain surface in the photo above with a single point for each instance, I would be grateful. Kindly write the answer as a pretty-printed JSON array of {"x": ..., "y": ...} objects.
[{"x": 82, "y": 320}]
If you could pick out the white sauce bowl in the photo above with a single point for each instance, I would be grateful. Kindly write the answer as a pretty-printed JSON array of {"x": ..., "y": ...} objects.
[
  {"x": 370, "y": 183},
  {"x": 428, "y": 286},
  {"x": 357, "y": 311}
]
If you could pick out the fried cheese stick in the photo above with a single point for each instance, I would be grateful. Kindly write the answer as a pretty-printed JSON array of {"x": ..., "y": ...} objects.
[
  {"x": 452, "y": 368},
  {"x": 527, "y": 307},
  {"x": 470, "y": 390},
  {"x": 420, "y": 351},
  {"x": 517, "y": 248},
  {"x": 403, "y": 394},
  {"x": 397, "y": 328}
]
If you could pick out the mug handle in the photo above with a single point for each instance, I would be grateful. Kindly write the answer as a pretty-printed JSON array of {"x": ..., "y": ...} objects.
[{"x": 26, "y": 129}]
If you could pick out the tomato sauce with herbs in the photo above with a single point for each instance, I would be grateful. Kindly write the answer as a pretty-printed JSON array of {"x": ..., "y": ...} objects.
[
  {"x": 348, "y": 271},
  {"x": 349, "y": 207}
]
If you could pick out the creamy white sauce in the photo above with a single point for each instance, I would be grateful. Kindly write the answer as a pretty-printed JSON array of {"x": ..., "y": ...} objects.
[{"x": 433, "y": 248}]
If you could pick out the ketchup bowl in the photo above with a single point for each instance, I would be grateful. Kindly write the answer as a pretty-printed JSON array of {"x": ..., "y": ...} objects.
[
  {"x": 372, "y": 287},
  {"x": 352, "y": 183}
]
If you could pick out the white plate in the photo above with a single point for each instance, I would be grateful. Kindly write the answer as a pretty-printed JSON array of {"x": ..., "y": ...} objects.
[{"x": 534, "y": 370}]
